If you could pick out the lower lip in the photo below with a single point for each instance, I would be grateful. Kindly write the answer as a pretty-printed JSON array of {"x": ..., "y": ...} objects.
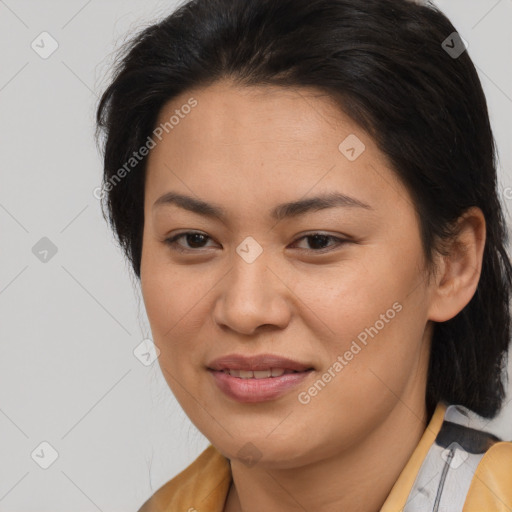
[{"x": 257, "y": 390}]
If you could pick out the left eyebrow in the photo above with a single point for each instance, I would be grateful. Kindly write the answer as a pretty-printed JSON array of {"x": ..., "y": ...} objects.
[
  {"x": 303, "y": 206},
  {"x": 280, "y": 212}
]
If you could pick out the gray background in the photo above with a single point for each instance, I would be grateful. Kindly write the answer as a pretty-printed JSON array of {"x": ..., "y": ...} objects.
[{"x": 69, "y": 324}]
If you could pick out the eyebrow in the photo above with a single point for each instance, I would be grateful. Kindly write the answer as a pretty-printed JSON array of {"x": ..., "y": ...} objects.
[{"x": 280, "y": 212}]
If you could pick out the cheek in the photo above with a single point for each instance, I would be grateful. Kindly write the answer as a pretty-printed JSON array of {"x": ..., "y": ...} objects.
[
  {"x": 177, "y": 303},
  {"x": 171, "y": 305},
  {"x": 166, "y": 290},
  {"x": 353, "y": 295},
  {"x": 371, "y": 313},
  {"x": 372, "y": 364}
]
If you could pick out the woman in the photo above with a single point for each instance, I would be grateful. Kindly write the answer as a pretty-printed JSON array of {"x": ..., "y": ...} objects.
[{"x": 307, "y": 191}]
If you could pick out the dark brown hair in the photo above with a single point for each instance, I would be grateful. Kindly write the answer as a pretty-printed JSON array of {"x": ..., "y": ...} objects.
[{"x": 390, "y": 67}]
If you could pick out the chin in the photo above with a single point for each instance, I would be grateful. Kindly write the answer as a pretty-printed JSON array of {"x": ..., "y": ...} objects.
[{"x": 277, "y": 453}]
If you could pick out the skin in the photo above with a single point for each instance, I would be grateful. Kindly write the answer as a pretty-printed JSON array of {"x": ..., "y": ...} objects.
[{"x": 248, "y": 150}]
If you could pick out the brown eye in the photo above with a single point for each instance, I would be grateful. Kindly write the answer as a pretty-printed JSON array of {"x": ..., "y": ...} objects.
[
  {"x": 194, "y": 240},
  {"x": 318, "y": 242}
]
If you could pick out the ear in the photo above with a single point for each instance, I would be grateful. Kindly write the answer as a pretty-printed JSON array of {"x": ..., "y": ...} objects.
[{"x": 459, "y": 270}]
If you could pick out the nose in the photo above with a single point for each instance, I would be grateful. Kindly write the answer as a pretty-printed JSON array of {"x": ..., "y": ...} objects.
[{"x": 252, "y": 296}]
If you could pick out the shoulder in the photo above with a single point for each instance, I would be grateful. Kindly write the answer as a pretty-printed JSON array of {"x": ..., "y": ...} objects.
[
  {"x": 203, "y": 485},
  {"x": 491, "y": 486},
  {"x": 464, "y": 467}
]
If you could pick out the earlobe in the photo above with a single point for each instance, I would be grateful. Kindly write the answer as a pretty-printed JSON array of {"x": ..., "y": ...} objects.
[{"x": 460, "y": 268}]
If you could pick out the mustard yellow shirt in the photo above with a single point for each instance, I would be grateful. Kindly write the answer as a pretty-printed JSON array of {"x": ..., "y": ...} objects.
[{"x": 203, "y": 486}]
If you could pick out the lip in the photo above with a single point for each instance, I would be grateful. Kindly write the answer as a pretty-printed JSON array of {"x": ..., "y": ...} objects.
[
  {"x": 256, "y": 362},
  {"x": 257, "y": 390}
]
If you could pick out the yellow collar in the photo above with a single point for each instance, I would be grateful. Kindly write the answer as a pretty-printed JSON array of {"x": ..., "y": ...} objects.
[{"x": 397, "y": 498}]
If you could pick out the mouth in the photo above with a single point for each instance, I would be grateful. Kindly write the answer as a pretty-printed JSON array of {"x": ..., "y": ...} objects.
[
  {"x": 257, "y": 378},
  {"x": 257, "y": 363},
  {"x": 259, "y": 374}
]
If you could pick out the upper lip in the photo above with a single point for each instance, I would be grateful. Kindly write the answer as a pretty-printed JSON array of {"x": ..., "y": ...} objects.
[{"x": 256, "y": 362}]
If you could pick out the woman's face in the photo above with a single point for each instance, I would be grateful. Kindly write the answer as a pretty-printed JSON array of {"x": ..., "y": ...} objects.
[{"x": 349, "y": 306}]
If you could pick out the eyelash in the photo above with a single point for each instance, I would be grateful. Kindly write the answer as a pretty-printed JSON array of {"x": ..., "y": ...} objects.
[{"x": 172, "y": 242}]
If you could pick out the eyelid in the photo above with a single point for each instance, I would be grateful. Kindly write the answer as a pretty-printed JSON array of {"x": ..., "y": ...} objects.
[
  {"x": 172, "y": 241},
  {"x": 340, "y": 240}
]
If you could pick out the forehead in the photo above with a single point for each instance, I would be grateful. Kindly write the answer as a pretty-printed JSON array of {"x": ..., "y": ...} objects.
[
  {"x": 263, "y": 142},
  {"x": 228, "y": 114}
]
